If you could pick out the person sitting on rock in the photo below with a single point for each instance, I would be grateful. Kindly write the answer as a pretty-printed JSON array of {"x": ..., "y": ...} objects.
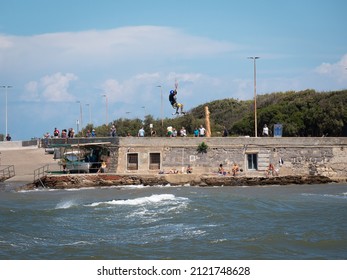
[
  {"x": 271, "y": 170},
  {"x": 235, "y": 169},
  {"x": 102, "y": 168},
  {"x": 221, "y": 170}
]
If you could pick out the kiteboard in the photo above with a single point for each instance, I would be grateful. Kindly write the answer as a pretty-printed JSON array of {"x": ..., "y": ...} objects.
[{"x": 178, "y": 113}]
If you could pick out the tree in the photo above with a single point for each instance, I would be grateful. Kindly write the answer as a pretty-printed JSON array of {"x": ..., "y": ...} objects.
[{"x": 303, "y": 113}]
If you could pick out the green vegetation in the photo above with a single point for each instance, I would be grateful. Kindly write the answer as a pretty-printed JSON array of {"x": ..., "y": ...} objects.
[
  {"x": 303, "y": 113},
  {"x": 202, "y": 148}
]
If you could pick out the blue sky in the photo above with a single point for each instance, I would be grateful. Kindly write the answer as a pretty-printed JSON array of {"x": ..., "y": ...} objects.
[{"x": 56, "y": 53}]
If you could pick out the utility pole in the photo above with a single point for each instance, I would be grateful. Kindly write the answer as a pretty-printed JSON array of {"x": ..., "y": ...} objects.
[
  {"x": 255, "y": 94},
  {"x": 6, "y": 112}
]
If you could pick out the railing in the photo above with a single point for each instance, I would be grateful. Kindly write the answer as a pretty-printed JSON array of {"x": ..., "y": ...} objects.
[
  {"x": 7, "y": 172},
  {"x": 48, "y": 142},
  {"x": 40, "y": 172}
]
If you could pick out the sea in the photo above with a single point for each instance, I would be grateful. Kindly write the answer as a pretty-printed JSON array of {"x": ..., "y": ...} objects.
[{"x": 293, "y": 222}]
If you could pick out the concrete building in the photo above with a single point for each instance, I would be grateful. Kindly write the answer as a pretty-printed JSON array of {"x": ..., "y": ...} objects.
[
  {"x": 290, "y": 156},
  {"x": 325, "y": 156}
]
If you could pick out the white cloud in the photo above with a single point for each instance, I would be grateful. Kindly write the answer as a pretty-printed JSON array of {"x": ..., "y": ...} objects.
[
  {"x": 55, "y": 87},
  {"x": 32, "y": 93},
  {"x": 5, "y": 42},
  {"x": 129, "y": 63},
  {"x": 103, "y": 48},
  {"x": 51, "y": 88},
  {"x": 335, "y": 71},
  {"x": 132, "y": 55},
  {"x": 142, "y": 88}
]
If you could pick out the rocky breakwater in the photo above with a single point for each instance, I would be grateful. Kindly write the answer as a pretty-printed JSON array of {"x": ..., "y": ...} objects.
[{"x": 66, "y": 181}]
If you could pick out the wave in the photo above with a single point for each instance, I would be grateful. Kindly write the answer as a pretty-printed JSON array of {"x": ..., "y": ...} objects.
[
  {"x": 66, "y": 204},
  {"x": 78, "y": 243},
  {"x": 324, "y": 195},
  {"x": 38, "y": 190},
  {"x": 153, "y": 199},
  {"x": 121, "y": 187}
]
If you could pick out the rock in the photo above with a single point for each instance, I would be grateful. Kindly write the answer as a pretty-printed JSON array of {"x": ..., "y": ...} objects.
[{"x": 104, "y": 179}]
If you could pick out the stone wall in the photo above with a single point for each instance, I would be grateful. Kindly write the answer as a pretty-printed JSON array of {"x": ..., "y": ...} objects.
[
  {"x": 14, "y": 145},
  {"x": 301, "y": 156}
]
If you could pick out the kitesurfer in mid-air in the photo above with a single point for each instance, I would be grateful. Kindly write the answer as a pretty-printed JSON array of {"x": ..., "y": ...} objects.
[{"x": 174, "y": 103}]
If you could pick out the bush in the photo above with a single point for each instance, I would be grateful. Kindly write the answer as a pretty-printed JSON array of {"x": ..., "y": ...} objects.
[{"x": 202, "y": 148}]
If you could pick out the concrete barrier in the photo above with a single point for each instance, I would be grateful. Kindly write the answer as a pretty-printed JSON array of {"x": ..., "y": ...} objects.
[{"x": 15, "y": 145}]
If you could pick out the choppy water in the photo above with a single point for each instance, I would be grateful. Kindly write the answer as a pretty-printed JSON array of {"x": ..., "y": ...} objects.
[{"x": 136, "y": 222}]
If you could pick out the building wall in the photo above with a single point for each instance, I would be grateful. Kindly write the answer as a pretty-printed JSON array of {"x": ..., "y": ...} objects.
[{"x": 301, "y": 156}]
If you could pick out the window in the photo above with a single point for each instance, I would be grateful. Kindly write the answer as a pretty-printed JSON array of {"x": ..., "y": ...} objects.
[
  {"x": 133, "y": 161},
  {"x": 252, "y": 160},
  {"x": 154, "y": 161}
]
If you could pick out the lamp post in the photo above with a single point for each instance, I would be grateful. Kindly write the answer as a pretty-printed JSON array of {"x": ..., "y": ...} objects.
[
  {"x": 6, "y": 88},
  {"x": 104, "y": 95},
  {"x": 81, "y": 118},
  {"x": 255, "y": 94},
  {"x": 90, "y": 114},
  {"x": 144, "y": 114},
  {"x": 161, "y": 105}
]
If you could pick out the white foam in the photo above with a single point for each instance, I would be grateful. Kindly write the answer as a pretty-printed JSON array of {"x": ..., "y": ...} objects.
[
  {"x": 38, "y": 190},
  {"x": 81, "y": 242},
  {"x": 153, "y": 199},
  {"x": 339, "y": 196},
  {"x": 65, "y": 204}
]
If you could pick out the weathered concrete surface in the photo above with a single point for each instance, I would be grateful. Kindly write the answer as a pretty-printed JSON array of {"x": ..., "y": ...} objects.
[
  {"x": 322, "y": 157},
  {"x": 25, "y": 160},
  {"x": 326, "y": 156}
]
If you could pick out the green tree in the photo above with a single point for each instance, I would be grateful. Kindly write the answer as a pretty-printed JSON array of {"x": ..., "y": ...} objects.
[{"x": 302, "y": 113}]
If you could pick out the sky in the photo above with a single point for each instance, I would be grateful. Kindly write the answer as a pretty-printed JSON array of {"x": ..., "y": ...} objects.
[{"x": 104, "y": 59}]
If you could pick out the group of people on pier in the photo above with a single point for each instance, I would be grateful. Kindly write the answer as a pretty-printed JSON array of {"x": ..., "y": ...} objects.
[{"x": 234, "y": 170}]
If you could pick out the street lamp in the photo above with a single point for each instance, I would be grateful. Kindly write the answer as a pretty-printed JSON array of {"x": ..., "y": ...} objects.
[
  {"x": 81, "y": 119},
  {"x": 255, "y": 94},
  {"x": 144, "y": 109},
  {"x": 6, "y": 88},
  {"x": 104, "y": 95},
  {"x": 90, "y": 114},
  {"x": 161, "y": 105}
]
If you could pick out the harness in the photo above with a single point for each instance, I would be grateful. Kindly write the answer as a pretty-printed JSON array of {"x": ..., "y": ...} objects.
[{"x": 172, "y": 100}]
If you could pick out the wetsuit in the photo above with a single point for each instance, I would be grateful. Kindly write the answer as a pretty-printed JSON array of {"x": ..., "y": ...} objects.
[{"x": 174, "y": 103}]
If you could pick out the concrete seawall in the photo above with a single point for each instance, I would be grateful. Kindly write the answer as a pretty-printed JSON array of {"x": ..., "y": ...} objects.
[
  {"x": 305, "y": 160},
  {"x": 325, "y": 156},
  {"x": 25, "y": 161},
  {"x": 301, "y": 156}
]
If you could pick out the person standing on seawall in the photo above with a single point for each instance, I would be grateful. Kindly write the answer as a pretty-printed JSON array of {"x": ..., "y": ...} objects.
[
  {"x": 225, "y": 132},
  {"x": 141, "y": 132},
  {"x": 202, "y": 131},
  {"x": 265, "y": 131}
]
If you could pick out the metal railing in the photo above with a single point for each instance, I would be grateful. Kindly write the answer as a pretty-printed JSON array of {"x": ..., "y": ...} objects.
[
  {"x": 40, "y": 172},
  {"x": 7, "y": 172}
]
